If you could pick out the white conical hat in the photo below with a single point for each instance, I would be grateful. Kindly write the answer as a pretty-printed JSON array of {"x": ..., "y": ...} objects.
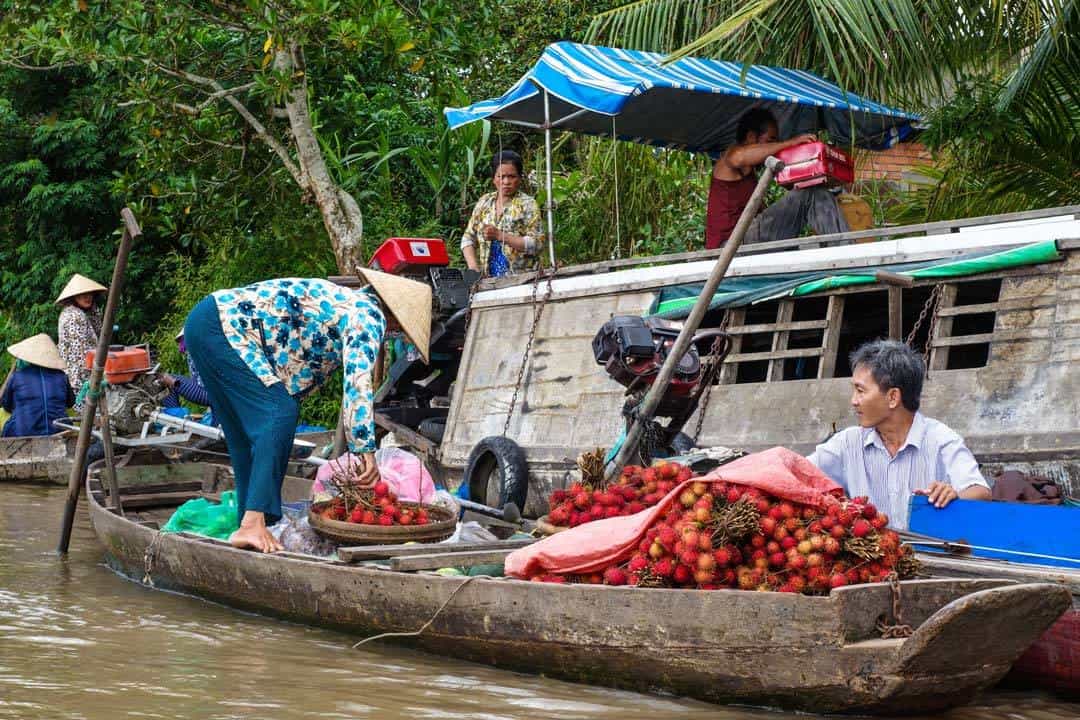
[
  {"x": 409, "y": 301},
  {"x": 38, "y": 350},
  {"x": 77, "y": 285}
]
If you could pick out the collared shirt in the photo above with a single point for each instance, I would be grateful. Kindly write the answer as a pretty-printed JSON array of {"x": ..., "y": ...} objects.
[
  {"x": 299, "y": 331},
  {"x": 856, "y": 458},
  {"x": 520, "y": 215}
]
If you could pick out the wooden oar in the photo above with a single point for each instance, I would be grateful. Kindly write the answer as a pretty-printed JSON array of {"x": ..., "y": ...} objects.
[{"x": 78, "y": 465}]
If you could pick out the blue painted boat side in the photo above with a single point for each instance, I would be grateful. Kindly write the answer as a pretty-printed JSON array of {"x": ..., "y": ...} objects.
[{"x": 1050, "y": 531}]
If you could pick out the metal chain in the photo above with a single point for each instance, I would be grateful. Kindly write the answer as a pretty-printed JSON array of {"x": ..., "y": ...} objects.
[
  {"x": 931, "y": 308},
  {"x": 709, "y": 375},
  {"x": 899, "y": 629},
  {"x": 150, "y": 558},
  {"x": 538, "y": 310}
]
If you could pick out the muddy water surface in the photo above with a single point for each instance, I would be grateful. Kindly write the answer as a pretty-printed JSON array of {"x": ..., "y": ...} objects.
[{"x": 78, "y": 641}]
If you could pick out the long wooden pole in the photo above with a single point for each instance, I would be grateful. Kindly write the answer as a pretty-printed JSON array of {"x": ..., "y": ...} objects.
[
  {"x": 78, "y": 465},
  {"x": 693, "y": 321}
]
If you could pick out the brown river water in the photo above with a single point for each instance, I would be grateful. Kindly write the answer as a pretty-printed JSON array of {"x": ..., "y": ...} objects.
[{"x": 79, "y": 641}]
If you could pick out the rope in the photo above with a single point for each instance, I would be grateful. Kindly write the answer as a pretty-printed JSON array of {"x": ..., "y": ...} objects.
[{"x": 426, "y": 625}]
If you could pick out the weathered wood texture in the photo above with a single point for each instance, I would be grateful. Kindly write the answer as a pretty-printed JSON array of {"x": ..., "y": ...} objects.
[
  {"x": 382, "y": 552},
  {"x": 37, "y": 459},
  {"x": 773, "y": 649}
]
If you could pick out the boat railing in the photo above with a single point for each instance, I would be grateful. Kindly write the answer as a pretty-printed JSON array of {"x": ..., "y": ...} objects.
[{"x": 1068, "y": 212}]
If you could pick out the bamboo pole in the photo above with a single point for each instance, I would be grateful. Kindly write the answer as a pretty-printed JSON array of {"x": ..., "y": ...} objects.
[
  {"x": 693, "y": 321},
  {"x": 78, "y": 465}
]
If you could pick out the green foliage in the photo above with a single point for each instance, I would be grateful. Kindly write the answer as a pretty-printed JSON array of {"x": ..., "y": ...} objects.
[{"x": 999, "y": 79}]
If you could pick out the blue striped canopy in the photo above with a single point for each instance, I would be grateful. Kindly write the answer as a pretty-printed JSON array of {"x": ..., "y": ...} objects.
[{"x": 690, "y": 104}]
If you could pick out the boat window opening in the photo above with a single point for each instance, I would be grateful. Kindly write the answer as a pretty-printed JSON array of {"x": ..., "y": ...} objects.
[
  {"x": 968, "y": 294},
  {"x": 866, "y": 318},
  {"x": 806, "y": 310}
]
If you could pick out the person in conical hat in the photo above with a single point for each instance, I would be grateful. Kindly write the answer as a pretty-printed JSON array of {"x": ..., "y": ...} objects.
[
  {"x": 78, "y": 326},
  {"x": 259, "y": 349},
  {"x": 38, "y": 391}
]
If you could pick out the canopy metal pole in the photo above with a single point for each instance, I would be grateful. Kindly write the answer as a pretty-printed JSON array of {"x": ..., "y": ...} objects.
[
  {"x": 550, "y": 204},
  {"x": 693, "y": 321}
]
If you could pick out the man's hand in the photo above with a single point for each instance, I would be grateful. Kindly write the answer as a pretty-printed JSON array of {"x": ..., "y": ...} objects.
[
  {"x": 491, "y": 233},
  {"x": 167, "y": 380},
  {"x": 939, "y": 494},
  {"x": 801, "y": 139},
  {"x": 369, "y": 473}
]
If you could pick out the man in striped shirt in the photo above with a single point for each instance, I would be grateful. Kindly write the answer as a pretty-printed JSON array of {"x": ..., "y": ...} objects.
[{"x": 896, "y": 451}]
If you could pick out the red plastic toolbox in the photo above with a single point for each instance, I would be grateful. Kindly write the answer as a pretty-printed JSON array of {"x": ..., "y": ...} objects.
[
  {"x": 814, "y": 163},
  {"x": 404, "y": 255}
]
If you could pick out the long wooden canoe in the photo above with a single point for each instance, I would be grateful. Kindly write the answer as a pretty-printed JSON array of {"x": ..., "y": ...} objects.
[
  {"x": 820, "y": 654},
  {"x": 42, "y": 459}
]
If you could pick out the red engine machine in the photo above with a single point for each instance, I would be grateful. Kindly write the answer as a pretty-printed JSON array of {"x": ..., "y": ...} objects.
[
  {"x": 814, "y": 163},
  {"x": 415, "y": 394}
]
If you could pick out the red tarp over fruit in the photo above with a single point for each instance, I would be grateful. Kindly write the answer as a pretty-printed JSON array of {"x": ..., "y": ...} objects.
[{"x": 596, "y": 545}]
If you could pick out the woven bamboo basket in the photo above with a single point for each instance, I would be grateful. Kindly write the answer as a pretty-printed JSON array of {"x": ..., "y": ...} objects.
[{"x": 441, "y": 526}]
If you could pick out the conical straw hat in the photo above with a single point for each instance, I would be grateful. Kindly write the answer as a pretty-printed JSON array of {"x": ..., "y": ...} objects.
[
  {"x": 409, "y": 301},
  {"x": 77, "y": 285},
  {"x": 38, "y": 350}
]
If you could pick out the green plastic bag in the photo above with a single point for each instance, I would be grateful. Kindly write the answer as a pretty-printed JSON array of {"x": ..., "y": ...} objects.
[{"x": 202, "y": 517}]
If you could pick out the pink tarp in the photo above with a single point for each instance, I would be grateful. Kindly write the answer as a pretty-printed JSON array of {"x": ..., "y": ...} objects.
[{"x": 596, "y": 545}]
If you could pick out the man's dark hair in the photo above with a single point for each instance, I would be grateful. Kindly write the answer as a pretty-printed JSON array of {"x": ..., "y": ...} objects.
[
  {"x": 756, "y": 121},
  {"x": 893, "y": 364},
  {"x": 507, "y": 156}
]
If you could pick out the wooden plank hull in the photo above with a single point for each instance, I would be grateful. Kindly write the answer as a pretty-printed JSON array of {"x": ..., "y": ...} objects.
[
  {"x": 820, "y": 654},
  {"x": 45, "y": 459}
]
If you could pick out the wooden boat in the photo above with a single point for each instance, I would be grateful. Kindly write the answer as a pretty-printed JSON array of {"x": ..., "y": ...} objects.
[
  {"x": 42, "y": 459},
  {"x": 820, "y": 654},
  {"x": 1004, "y": 347},
  {"x": 1026, "y": 543}
]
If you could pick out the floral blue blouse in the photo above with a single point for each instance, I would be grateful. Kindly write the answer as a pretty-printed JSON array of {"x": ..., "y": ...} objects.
[{"x": 296, "y": 331}]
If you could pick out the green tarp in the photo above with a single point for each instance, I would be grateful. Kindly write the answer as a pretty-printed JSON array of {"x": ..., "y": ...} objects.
[{"x": 675, "y": 302}]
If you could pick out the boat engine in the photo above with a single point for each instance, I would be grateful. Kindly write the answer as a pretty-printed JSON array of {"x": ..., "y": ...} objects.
[
  {"x": 132, "y": 381},
  {"x": 415, "y": 394},
  {"x": 632, "y": 350}
]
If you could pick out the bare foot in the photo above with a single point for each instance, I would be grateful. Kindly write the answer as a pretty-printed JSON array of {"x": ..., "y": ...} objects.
[{"x": 253, "y": 534}]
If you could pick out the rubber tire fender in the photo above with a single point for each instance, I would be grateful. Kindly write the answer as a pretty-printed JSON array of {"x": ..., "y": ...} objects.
[{"x": 500, "y": 459}]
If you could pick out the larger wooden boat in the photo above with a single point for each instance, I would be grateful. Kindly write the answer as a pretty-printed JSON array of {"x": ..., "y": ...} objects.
[{"x": 820, "y": 654}]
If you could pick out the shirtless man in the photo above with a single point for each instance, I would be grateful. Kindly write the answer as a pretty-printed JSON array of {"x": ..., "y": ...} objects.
[{"x": 733, "y": 181}]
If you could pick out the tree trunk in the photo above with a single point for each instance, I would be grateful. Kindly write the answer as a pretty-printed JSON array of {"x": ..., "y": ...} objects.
[{"x": 340, "y": 213}]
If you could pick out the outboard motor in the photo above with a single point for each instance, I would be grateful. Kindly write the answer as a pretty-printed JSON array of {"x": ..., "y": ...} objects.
[
  {"x": 132, "y": 381},
  {"x": 632, "y": 350}
]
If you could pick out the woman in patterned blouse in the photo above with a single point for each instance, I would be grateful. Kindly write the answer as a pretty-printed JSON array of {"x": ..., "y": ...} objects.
[
  {"x": 504, "y": 234},
  {"x": 78, "y": 328},
  {"x": 259, "y": 349}
]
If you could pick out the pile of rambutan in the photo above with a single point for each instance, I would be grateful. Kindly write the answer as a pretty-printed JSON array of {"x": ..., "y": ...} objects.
[
  {"x": 714, "y": 535},
  {"x": 637, "y": 488},
  {"x": 376, "y": 505}
]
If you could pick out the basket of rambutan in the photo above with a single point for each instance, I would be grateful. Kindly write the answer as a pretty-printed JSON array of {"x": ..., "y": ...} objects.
[{"x": 375, "y": 516}]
